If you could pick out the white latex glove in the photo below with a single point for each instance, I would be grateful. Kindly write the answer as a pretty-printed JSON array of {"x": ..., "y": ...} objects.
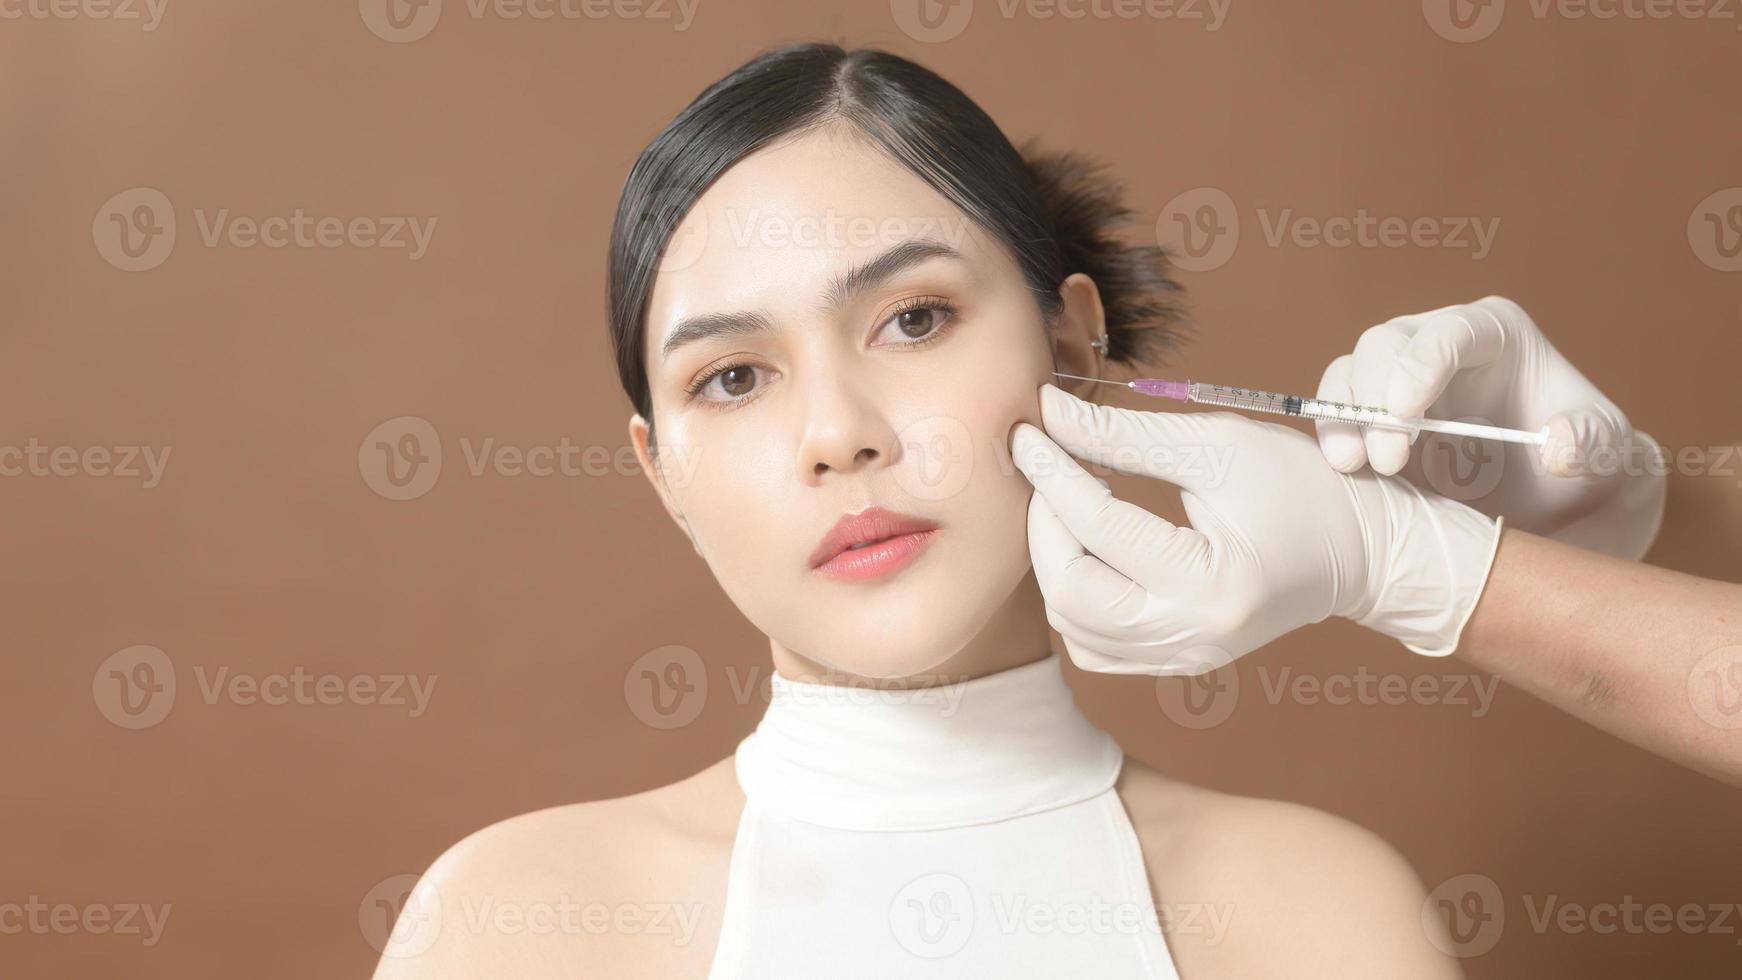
[
  {"x": 1596, "y": 484},
  {"x": 1277, "y": 540}
]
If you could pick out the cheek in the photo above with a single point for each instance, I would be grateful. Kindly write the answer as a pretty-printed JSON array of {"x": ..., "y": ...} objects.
[
  {"x": 722, "y": 485},
  {"x": 1003, "y": 389}
]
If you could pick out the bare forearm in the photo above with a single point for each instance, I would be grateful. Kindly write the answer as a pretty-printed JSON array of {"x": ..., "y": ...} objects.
[{"x": 1650, "y": 655}]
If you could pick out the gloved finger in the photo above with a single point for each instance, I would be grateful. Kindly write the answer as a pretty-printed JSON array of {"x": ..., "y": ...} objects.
[
  {"x": 1087, "y": 648},
  {"x": 1177, "y": 447},
  {"x": 1375, "y": 357},
  {"x": 1340, "y": 441},
  {"x": 1577, "y": 437},
  {"x": 1093, "y": 650},
  {"x": 1455, "y": 339},
  {"x": 1128, "y": 538},
  {"x": 1159, "y": 666},
  {"x": 1076, "y": 584},
  {"x": 1156, "y": 660},
  {"x": 1098, "y": 654}
]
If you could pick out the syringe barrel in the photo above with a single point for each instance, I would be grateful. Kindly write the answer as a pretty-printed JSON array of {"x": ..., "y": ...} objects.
[
  {"x": 1275, "y": 403},
  {"x": 1250, "y": 399}
]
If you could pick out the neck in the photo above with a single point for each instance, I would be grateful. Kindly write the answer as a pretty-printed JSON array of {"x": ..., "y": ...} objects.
[
  {"x": 1007, "y": 744},
  {"x": 1016, "y": 634}
]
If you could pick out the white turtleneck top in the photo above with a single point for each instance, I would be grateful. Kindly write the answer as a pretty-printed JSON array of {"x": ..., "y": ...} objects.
[{"x": 967, "y": 830}]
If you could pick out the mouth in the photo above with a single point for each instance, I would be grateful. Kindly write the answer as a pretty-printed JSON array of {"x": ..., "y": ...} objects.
[{"x": 872, "y": 544}]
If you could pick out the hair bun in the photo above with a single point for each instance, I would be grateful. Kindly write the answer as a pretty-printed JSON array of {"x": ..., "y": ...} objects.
[{"x": 1145, "y": 318}]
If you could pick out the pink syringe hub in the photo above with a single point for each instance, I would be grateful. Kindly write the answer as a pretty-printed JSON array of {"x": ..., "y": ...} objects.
[{"x": 1162, "y": 388}]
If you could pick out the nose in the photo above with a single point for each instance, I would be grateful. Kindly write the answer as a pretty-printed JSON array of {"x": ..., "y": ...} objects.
[{"x": 845, "y": 431}]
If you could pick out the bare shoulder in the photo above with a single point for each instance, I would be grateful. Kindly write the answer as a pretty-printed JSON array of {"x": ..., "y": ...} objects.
[
  {"x": 625, "y": 887},
  {"x": 1264, "y": 887}
]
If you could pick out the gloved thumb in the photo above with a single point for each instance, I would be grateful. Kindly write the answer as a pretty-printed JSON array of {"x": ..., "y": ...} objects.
[
  {"x": 1126, "y": 537},
  {"x": 1171, "y": 446},
  {"x": 1450, "y": 340},
  {"x": 1578, "y": 437}
]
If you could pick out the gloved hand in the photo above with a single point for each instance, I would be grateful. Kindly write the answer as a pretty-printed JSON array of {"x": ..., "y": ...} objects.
[
  {"x": 1277, "y": 540},
  {"x": 1597, "y": 483}
]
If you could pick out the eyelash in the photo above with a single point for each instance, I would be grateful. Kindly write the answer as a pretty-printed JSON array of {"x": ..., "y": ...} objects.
[{"x": 937, "y": 303}]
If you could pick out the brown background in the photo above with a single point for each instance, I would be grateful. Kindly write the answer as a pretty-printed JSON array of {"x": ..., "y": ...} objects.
[{"x": 264, "y": 549}]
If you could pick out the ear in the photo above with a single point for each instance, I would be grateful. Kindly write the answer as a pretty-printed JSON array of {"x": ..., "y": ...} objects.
[
  {"x": 1082, "y": 320},
  {"x": 650, "y": 469}
]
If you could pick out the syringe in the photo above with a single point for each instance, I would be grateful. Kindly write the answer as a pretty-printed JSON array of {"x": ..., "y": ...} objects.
[{"x": 1255, "y": 400}]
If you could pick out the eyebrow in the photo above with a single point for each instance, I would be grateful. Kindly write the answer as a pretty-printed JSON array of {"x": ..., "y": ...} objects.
[{"x": 841, "y": 290}]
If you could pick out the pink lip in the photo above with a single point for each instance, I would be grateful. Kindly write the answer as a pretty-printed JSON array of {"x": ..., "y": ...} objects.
[{"x": 889, "y": 542}]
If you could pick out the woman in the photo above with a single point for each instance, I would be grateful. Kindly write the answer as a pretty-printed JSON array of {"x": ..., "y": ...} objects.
[{"x": 835, "y": 287}]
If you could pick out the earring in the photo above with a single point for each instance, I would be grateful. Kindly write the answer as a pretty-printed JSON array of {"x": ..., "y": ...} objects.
[{"x": 1100, "y": 344}]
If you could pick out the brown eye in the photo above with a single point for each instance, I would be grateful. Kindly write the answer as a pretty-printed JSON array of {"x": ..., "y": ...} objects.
[
  {"x": 737, "y": 381},
  {"x": 728, "y": 384},
  {"x": 916, "y": 323}
]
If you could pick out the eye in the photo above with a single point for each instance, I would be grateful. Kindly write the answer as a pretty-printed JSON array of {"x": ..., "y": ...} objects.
[
  {"x": 916, "y": 322},
  {"x": 726, "y": 383}
]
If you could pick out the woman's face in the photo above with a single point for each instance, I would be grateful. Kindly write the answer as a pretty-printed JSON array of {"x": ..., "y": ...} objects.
[{"x": 828, "y": 334}]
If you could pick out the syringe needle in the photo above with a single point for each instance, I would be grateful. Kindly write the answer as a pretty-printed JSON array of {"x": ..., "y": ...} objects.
[{"x": 1079, "y": 377}]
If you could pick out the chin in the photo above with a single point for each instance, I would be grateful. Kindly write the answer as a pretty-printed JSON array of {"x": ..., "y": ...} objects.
[{"x": 915, "y": 622}]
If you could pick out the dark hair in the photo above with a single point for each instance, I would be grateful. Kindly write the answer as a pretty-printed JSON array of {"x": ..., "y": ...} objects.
[{"x": 1056, "y": 212}]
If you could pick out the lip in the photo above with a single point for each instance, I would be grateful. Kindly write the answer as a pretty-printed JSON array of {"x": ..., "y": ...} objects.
[{"x": 889, "y": 542}]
